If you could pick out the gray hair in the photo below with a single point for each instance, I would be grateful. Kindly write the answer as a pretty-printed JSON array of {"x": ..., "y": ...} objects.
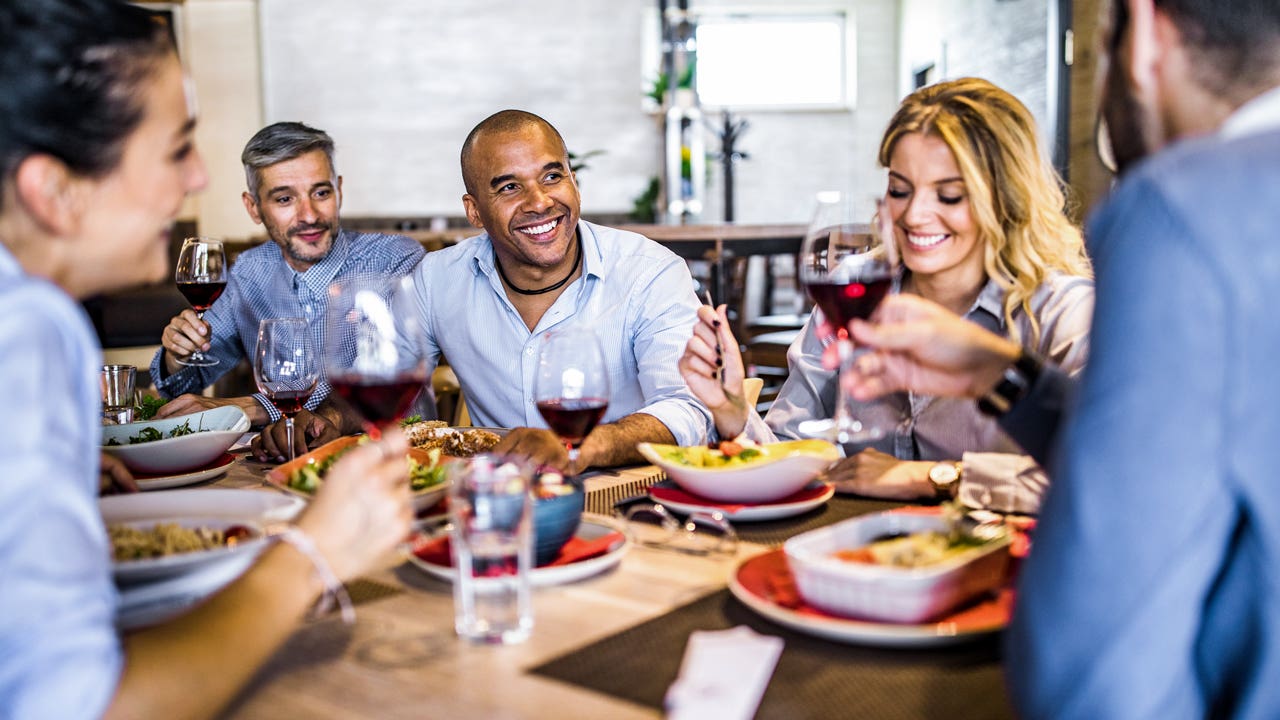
[{"x": 279, "y": 142}]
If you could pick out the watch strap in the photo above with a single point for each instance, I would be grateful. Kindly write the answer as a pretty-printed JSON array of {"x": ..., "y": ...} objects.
[{"x": 1014, "y": 385}]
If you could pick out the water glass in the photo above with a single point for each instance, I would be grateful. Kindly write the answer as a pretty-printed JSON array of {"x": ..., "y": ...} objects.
[
  {"x": 491, "y": 509},
  {"x": 118, "y": 383}
]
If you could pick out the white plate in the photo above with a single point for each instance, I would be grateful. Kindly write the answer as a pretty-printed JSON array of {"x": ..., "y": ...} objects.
[
  {"x": 155, "y": 602},
  {"x": 592, "y": 527},
  {"x": 751, "y": 513},
  {"x": 220, "y": 466},
  {"x": 143, "y": 569},
  {"x": 262, "y": 506},
  {"x": 988, "y": 616}
]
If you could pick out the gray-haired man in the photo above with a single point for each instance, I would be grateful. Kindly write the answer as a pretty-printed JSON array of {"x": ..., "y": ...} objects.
[{"x": 295, "y": 193}]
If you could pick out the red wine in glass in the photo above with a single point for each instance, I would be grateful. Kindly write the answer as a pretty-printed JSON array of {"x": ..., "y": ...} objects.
[
  {"x": 573, "y": 419},
  {"x": 289, "y": 402},
  {"x": 843, "y": 301},
  {"x": 201, "y": 276},
  {"x": 201, "y": 295},
  {"x": 378, "y": 400}
]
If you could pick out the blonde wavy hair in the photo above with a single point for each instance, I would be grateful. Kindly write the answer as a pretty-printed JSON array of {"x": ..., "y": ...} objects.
[{"x": 1017, "y": 200}]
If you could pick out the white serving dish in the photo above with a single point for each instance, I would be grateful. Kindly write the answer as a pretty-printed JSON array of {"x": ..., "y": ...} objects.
[
  {"x": 217, "y": 430},
  {"x": 787, "y": 467},
  {"x": 890, "y": 594}
]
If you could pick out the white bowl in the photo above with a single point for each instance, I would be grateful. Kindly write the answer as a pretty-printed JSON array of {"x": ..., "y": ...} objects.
[
  {"x": 783, "y": 470},
  {"x": 890, "y": 594},
  {"x": 217, "y": 430}
]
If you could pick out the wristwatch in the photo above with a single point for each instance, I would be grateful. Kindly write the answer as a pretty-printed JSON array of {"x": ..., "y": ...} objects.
[
  {"x": 945, "y": 478},
  {"x": 1013, "y": 386}
]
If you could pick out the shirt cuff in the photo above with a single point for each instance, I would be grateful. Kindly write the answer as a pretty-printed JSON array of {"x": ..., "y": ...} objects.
[
  {"x": 1002, "y": 482},
  {"x": 270, "y": 407}
]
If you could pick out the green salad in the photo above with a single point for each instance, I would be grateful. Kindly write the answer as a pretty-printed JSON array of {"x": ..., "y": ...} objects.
[
  {"x": 307, "y": 478},
  {"x": 727, "y": 454},
  {"x": 150, "y": 434}
]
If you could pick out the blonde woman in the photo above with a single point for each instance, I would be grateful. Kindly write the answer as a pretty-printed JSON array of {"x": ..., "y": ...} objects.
[{"x": 977, "y": 215}]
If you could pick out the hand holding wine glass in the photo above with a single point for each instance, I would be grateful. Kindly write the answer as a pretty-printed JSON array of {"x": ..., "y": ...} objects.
[
  {"x": 286, "y": 367},
  {"x": 846, "y": 270},
  {"x": 201, "y": 276},
  {"x": 571, "y": 388},
  {"x": 372, "y": 355}
]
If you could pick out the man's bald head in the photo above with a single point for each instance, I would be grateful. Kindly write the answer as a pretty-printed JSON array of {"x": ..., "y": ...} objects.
[{"x": 501, "y": 123}]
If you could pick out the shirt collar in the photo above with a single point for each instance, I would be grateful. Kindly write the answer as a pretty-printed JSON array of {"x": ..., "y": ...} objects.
[
  {"x": 990, "y": 300},
  {"x": 318, "y": 276},
  {"x": 9, "y": 266},
  {"x": 1260, "y": 114},
  {"x": 592, "y": 260}
]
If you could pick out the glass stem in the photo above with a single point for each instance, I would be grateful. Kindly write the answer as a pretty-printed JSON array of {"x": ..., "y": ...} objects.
[
  {"x": 847, "y": 426},
  {"x": 288, "y": 433}
]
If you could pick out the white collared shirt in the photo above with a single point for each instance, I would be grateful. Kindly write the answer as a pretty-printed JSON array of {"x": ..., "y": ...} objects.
[{"x": 1261, "y": 114}]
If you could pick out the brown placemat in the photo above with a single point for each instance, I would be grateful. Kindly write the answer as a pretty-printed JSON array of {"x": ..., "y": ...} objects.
[{"x": 815, "y": 678}]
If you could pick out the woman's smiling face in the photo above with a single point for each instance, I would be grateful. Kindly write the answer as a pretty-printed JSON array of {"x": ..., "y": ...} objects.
[{"x": 933, "y": 221}]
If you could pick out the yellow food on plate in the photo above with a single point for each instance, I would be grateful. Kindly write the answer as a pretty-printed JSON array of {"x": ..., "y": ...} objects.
[
  {"x": 915, "y": 550},
  {"x": 135, "y": 543},
  {"x": 738, "y": 454}
]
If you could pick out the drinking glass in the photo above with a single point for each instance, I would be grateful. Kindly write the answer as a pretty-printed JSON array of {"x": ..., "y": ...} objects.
[
  {"x": 491, "y": 513},
  {"x": 118, "y": 394},
  {"x": 571, "y": 388},
  {"x": 285, "y": 367},
  {"x": 201, "y": 276},
  {"x": 372, "y": 354},
  {"x": 846, "y": 271}
]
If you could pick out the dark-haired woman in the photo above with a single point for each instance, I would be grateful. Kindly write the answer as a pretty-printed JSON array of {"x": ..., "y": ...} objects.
[{"x": 96, "y": 157}]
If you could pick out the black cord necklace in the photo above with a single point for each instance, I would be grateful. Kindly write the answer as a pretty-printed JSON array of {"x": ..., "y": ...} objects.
[{"x": 556, "y": 286}]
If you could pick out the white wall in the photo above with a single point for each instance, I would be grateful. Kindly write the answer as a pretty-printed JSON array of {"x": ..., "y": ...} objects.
[{"x": 398, "y": 83}]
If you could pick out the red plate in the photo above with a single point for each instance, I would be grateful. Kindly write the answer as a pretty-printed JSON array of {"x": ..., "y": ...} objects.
[
  {"x": 152, "y": 481},
  {"x": 764, "y": 584}
]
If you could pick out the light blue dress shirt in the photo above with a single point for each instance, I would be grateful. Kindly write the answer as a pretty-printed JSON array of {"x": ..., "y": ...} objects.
[
  {"x": 635, "y": 294},
  {"x": 59, "y": 653},
  {"x": 262, "y": 285},
  {"x": 1153, "y": 585}
]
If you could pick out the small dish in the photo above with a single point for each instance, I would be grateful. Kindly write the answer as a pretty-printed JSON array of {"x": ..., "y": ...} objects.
[
  {"x": 889, "y": 593},
  {"x": 213, "y": 432},
  {"x": 811, "y": 496},
  {"x": 781, "y": 469},
  {"x": 422, "y": 499},
  {"x": 593, "y": 528}
]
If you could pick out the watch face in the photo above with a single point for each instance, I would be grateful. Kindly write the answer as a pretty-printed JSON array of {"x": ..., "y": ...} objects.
[{"x": 943, "y": 474}]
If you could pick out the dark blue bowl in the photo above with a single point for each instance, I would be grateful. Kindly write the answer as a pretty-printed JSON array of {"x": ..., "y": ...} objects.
[{"x": 555, "y": 520}]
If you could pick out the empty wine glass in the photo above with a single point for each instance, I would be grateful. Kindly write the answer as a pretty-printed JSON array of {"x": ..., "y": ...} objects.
[
  {"x": 201, "y": 276},
  {"x": 372, "y": 354},
  {"x": 846, "y": 271},
  {"x": 286, "y": 367},
  {"x": 571, "y": 388}
]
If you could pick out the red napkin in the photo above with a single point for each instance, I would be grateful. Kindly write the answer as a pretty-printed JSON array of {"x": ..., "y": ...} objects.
[{"x": 437, "y": 551}]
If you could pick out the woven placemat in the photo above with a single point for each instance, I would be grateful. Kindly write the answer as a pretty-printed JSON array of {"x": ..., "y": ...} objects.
[
  {"x": 602, "y": 501},
  {"x": 815, "y": 678}
]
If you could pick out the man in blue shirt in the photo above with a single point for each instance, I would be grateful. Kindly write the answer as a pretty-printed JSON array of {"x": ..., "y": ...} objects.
[
  {"x": 1152, "y": 587},
  {"x": 295, "y": 193},
  {"x": 487, "y": 302}
]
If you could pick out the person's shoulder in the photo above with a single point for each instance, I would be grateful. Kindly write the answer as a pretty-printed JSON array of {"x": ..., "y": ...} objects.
[
  {"x": 626, "y": 243},
  {"x": 455, "y": 256}
]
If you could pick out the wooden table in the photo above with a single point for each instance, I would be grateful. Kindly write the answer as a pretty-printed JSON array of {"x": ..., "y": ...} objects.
[{"x": 403, "y": 659}]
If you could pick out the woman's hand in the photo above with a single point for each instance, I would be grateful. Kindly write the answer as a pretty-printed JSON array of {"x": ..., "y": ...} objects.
[
  {"x": 712, "y": 368},
  {"x": 363, "y": 509},
  {"x": 875, "y": 474}
]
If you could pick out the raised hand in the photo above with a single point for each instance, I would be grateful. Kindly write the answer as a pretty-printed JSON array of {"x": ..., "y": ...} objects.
[{"x": 711, "y": 366}]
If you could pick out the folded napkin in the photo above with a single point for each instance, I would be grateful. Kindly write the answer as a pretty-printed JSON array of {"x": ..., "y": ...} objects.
[
  {"x": 723, "y": 675},
  {"x": 437, "y": 551}
]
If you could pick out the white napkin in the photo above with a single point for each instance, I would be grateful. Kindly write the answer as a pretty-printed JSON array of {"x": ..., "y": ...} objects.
[{"x": 723, "y": 675}]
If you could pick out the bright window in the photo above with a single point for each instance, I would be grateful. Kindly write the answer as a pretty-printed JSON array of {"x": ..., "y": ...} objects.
[{"x": 778, "y": 61}]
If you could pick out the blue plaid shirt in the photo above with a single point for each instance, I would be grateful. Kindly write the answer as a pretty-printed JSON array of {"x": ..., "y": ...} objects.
[{"x": 262, "y": 285}]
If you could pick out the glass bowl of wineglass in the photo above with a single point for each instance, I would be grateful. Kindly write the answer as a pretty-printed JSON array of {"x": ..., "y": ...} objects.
[
  {"x": 372, "y": 348},
  {"x": 571, "y": 388},
  {"x": 846, "y": 270},
  {"x": 286, "y": 367},
  {"x": 201, "y": 276}
]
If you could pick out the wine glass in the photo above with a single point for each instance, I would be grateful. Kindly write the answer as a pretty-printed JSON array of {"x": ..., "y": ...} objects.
[
  {"x": 201, "y": 276},
  {"x": 372, "y": 354},
  {"x": 571, "y": 388},
  {"x": 847, "y": 271},
  {"x": 286, "y": 367}
]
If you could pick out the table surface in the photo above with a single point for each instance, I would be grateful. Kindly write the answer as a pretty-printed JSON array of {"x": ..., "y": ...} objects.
[{"x": 402, "y": 658}]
